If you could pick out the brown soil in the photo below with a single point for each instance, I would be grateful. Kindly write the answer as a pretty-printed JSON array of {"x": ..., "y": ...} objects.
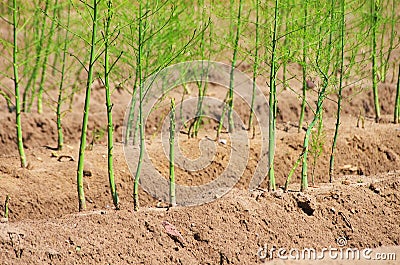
[{"x": 44, "y": 227}]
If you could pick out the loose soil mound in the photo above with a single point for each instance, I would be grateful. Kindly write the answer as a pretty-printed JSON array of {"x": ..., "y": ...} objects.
[
  {"x": 228, "y": 231},
  {"x": 362, "y": 205}
]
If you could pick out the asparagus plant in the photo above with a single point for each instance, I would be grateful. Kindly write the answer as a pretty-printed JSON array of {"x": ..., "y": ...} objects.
[
  {"x": 16, "y": 85},
  {"x": 256, "y": 64},
  {"x": 110, "y": 127},
  {"x": 202, "y": 84},
  {"x": 172, "y": 195},
  {"x": 45, "y": 59},
  {"x": 40, "y": 27},
  {"x": 397, "y": 101},
  {"x": 139, "y": 59},
  {"x": 375, "y": 8},
  {"x": 326, "y": 51},
  {"x": 384, "y": 60},
  {"x": 90, "y": 70},
  {"x": 229, "y": 97},
  {"x": 273, "y": 102},
  {"x": 316, "y": 146},
  {"x": 340, "y": 89},
  {"x": 304, "y": 65},
  {"x": 59, "y": 113},
  {"x": 6, "y": 206}
]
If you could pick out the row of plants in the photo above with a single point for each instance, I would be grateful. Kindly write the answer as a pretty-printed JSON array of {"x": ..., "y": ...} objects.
[{"x": 64, "y": 46}]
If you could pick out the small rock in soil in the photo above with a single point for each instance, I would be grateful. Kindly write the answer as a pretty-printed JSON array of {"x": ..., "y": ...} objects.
[{"x": 53, "y": 254}]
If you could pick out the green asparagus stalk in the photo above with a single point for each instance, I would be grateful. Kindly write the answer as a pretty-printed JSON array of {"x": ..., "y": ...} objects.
[
  {"x": 81, "y": 193},
  {"x": 110, "y": 126},
  {"x": 339, "y": 102},
  {"x": 273, "y": 102},
  {"x": 16, "y": 86},
  {"x": 45, "y": 59},
  {"x": 60, "y": 138},
  {"x": 172, "y": 197}
]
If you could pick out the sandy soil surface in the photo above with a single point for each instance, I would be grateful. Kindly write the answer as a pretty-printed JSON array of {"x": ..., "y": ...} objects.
[{"x": 362, "y": 205}]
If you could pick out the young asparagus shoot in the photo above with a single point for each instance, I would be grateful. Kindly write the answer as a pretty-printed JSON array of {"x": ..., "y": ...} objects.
[
  {"x": 45, "y": 59},
  {"x": 172, "y": 196},
  {"x": 234, "y": 58},
  {"x": 304, "y": 65},
  {"x": 229, "y": 97},
  {"x": 289, "y": 177},
  {"x": 317, "y": 145},
  {"x": 40, "y": 36},
  {"x": 141, "y": 36},
  {"x": 397, "y": 101},
  {"x": 375, "y": 8},
  {"x": 256, "y": 64},
  {"x": 201, "y": 84},
  {"x": 110, "y": 127},
  {"x": 16, "y": 85},
  {"x": 384, "y": 60},
  {"x": 60, "y": 135},
  {"x": 6, "y": 206},
  {"x": 273, "y": 101},
  {"x": 340, "y": 89},
  {"x": 92, "y": 59}
]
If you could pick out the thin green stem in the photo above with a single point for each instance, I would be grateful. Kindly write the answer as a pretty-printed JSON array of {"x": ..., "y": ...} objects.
[
  {"x": 201, "y": 84},
  {"x": 6, "y": 206},
  {"x": 30, "y": 86},
  {"x": 304, "y": 66},
  {"x": 228, "y": 106},
  {"x": 129, "y": 126},
  {"x": 255, "y": 65},
  {"x": 231, "y": 78},
  {"x": 81, "y": 193},
  {"x": 172, "y": 195},
  {"x": 60, "y": 138},
  {"x": 397, "y": 101},
  {"x": 318, "y": 112},
  {"x": 339, "y": 102},
  {"x": 385, "y": 61},
  {"x": 140, "y": 118},
  {"x": 273, "y": 103},
  {"x": 16, "y": 86},
  {"x": 110, "y": 126},
  {"x": 375, "y": 12},
  {"x": 289, "y": 177},
  {"x": 45, "y": 59}
]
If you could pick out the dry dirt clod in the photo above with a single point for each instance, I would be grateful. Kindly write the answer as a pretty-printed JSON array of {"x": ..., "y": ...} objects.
[
  {"x": 374, "y": 188},
  {"x": 53, "y": 254},
  {"x": 29, "y": 166},
  {"x": 63, "y": 158},
  {"x": 346, "y": 182},
  {"x": 87, "y": 173},
  {"x": 277, "y": 194},
  {"x": 87, "y": 169}
]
